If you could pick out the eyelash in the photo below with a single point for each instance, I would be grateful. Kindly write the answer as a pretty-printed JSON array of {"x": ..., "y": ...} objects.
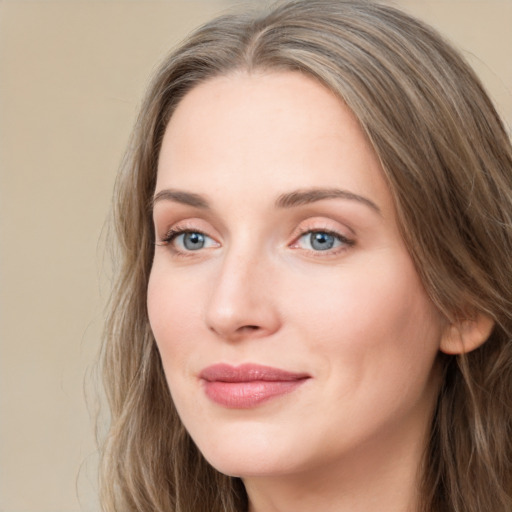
[
  {"x": 345, "y": 243},
  {"x": 175, "y": 232}
]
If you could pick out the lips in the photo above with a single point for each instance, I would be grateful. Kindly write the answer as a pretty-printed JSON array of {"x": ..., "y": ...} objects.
[{"x": 248, "y": 385}]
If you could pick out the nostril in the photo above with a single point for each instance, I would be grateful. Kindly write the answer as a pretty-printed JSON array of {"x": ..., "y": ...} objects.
[{"x": 250, "y": 327}]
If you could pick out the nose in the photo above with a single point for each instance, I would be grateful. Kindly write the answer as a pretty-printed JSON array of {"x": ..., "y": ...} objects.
[{"x": 242, "y": 303}]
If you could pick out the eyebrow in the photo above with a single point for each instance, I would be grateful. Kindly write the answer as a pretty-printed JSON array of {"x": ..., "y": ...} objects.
[
  {"x": 288, "y": 200},
  {"x": 307, "y": 196},
  {"x": 180, "y": 196}
]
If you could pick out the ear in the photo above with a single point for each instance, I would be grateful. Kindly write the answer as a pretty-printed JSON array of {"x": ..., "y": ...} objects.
[{"x": 466, "y": 335}]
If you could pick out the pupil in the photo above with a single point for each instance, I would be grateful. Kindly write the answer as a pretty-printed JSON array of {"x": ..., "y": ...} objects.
[
  {"x": 322, "y": 241},
  {"x": 193, "y": 241}
]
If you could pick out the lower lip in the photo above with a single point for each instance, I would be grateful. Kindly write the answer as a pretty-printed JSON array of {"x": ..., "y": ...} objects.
[{"x": 245, "y": 395}]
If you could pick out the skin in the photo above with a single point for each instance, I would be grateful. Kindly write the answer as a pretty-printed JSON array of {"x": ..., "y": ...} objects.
[{"x": 355, "y": 318}]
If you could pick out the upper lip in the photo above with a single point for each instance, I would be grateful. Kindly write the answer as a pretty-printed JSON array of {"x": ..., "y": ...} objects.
[{"x": 248, "y": 373}]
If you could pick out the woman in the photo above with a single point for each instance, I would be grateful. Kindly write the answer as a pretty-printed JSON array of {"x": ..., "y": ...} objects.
[{"x": 313, "y": 307}]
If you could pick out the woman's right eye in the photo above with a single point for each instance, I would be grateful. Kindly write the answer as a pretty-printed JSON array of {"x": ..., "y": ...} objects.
[{"x": 188, "y": 241}]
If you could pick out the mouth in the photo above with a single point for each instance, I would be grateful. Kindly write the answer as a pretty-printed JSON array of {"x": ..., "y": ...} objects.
[{"x": 248, "y": 385}]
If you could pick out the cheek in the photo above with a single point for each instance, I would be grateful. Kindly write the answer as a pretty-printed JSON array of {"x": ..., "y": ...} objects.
[
  {"x": 173, "y": 310},
  {"x": 375, "y": 318},
  {"x": 353, "y": 299}
]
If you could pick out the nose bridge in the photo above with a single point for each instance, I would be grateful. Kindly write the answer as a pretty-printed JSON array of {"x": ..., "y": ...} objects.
[{"x": 240, "y": 301}]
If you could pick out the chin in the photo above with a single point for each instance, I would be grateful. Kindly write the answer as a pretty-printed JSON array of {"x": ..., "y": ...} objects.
[
  {"x": 246, "y": 454},
  {"x": 249, "y": 465}
]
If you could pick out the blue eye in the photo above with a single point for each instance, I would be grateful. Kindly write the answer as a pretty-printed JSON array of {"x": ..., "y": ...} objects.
[
  {"x": 322, "y": 241},
  {"x": 190, "y": 240}
]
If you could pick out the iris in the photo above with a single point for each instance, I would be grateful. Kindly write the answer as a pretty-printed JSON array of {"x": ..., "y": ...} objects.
[
  {"x": 321, "y": 241},
  {"x": 193, "y": 241}
]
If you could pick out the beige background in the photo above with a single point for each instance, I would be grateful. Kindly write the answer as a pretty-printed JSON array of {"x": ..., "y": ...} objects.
[{"x": 71, "y": 76}]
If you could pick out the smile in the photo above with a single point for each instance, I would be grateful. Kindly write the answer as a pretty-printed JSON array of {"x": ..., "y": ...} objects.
[{"x": 248, "y": 385}]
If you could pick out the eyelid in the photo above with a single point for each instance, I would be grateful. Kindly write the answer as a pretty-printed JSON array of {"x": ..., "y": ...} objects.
[
  {"x": 196, "y": 225},
  {"x": 343, "y": 239},
  {"x": 323, "y": 226},
  {"x": 174, "y": 233},
  {"x": 178, "y": 248},
  {"x": 181, "y": 227}
]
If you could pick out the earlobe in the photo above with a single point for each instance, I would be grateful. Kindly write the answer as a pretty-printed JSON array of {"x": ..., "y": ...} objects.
[{"x": 466, "y": 335}]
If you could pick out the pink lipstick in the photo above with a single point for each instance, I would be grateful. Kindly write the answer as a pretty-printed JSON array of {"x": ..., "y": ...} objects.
[{"x": 248, "y": 385}]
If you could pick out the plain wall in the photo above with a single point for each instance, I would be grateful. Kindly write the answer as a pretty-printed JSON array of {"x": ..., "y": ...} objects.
[{"x": 72, "y": 74}]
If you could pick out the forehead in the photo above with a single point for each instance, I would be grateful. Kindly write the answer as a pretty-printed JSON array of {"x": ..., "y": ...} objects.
[{"x": 266, "y": 132}]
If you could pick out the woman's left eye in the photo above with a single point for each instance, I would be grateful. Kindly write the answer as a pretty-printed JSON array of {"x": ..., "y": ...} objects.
[{"x": 321, "y": 241}]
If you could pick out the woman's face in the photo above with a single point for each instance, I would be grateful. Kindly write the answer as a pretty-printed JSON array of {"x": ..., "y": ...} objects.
[{"x": 294, "y": 331}]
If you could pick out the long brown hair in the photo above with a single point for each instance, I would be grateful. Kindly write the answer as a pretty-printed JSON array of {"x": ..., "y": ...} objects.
[{"x": 448, "y": 162}]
